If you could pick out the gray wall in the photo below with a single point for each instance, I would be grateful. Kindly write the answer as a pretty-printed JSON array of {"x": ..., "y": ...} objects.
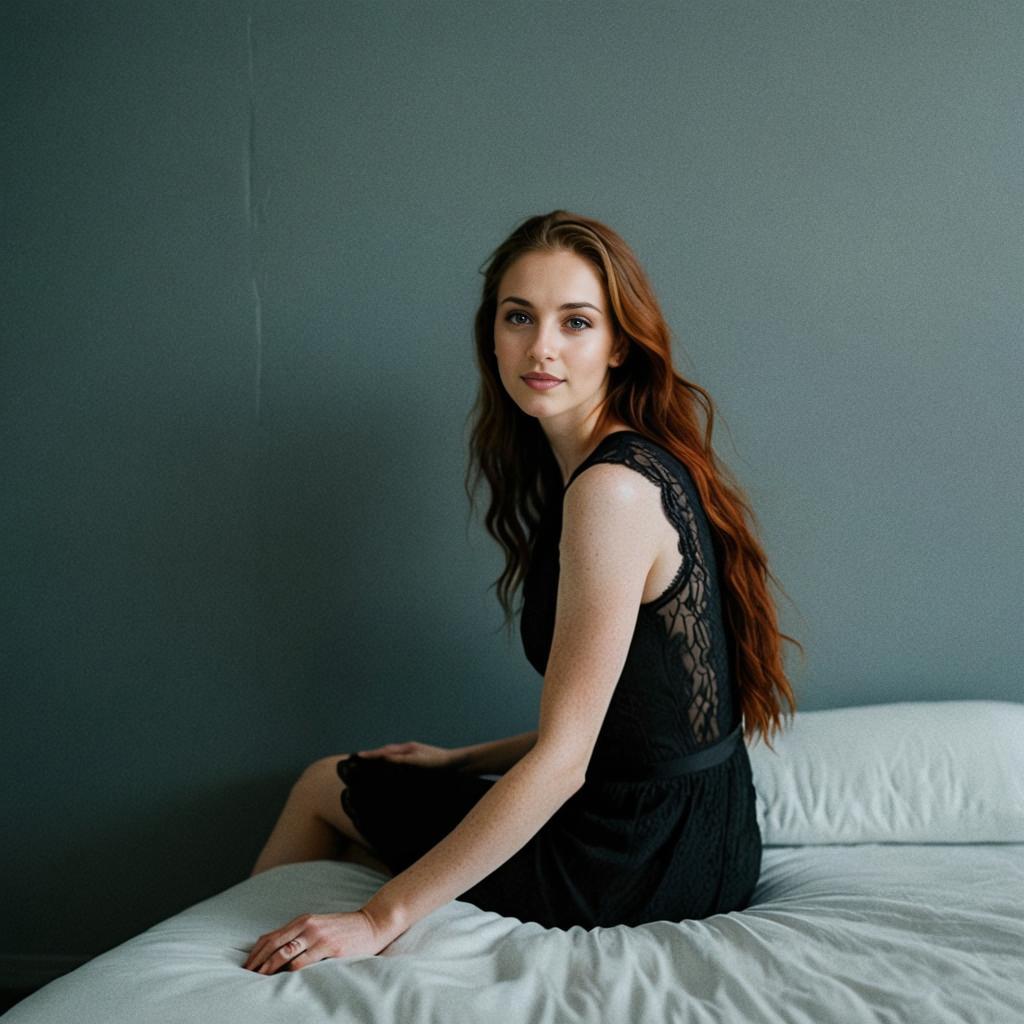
[{"x": 240, "y": 260}]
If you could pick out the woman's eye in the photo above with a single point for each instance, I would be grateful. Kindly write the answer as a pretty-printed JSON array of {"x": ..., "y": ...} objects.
[{"x": 577, "y": 319}]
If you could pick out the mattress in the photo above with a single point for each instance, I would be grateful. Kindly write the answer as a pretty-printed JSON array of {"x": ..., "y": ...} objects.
[{"x": 902, "y": 901}]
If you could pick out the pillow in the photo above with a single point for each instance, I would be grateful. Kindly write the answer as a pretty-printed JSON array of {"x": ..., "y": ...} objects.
[{"x": 915, "y": 772}]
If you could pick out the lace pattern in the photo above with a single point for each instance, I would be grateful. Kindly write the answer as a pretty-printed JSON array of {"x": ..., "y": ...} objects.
[{"x": 683, "y": 607}]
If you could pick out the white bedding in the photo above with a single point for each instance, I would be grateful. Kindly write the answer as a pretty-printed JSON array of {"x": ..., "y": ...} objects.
[
  {"x": 897, "y": 933},
  {"x": 947, "y": 771},
  {"x": 891, "y": 890}
]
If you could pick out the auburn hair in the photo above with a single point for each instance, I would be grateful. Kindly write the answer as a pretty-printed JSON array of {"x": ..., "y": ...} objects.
[{"x": 645, "y": 392}]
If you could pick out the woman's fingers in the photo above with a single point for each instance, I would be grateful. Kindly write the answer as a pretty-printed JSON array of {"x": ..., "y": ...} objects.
[
  {"x": 257, "y": 954},
  {"x": 288, "y": 952},
  {"x": 260, "y": 953},
  {"x": 388, "y": 748},
  {"x": 265, "y": 945},
  {"x": 268, "y": 943},
  {"x": 304, "y": 959}
]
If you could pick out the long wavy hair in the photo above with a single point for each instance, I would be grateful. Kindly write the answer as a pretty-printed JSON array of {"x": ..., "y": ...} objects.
[{"x": 645, "y": 392}]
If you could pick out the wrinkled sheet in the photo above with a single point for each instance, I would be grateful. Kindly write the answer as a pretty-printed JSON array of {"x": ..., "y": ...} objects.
[{"x": 836, "y": 933}]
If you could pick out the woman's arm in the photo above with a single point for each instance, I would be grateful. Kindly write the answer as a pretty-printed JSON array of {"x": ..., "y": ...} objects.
[
  {"x": 495, "y": 757},
  {"x": 607, "y": 548},
  {"x": 501, "y": 822}
]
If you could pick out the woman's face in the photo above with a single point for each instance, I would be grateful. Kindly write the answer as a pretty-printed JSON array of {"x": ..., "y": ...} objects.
[{"x": 534, "y": 332}]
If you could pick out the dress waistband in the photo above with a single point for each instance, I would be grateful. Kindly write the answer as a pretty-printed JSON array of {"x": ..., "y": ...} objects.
[{"x": 682, "y": 765}]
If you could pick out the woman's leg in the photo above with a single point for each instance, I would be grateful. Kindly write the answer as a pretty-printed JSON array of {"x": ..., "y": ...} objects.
[{"x": 313, "y": 825}]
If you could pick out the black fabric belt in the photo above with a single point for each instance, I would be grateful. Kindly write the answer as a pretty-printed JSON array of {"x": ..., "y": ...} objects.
[{"x": 683, "y": 765}]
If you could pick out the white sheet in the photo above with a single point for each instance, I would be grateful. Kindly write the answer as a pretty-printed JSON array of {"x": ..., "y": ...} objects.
[{"x": 873, "y": 933}]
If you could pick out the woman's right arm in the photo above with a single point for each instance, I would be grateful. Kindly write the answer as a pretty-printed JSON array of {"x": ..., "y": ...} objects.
[{"x": 496, "y": 757}]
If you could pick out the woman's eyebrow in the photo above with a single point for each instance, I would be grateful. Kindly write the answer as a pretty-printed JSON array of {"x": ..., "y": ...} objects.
[{"x": 564, "y": 305}]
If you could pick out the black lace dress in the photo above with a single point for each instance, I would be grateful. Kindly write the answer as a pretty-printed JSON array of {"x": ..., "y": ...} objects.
[{"x": 664, "y": 828}]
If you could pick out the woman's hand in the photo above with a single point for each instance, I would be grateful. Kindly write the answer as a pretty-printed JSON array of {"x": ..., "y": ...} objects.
[
  {"x": 313, "y": 937},
  {"x": 416, "y": 753}
]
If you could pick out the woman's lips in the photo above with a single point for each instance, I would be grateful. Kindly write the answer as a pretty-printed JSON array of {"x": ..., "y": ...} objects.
[{"x": 540, "y": 384}]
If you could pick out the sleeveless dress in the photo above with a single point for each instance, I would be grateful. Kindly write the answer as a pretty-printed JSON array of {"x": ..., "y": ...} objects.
[{"x": 665, "y": 826}]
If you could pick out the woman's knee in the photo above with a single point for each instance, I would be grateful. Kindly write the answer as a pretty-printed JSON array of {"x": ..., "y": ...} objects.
[
  {"x": 319, "y": 775},
  {"x": 317, "y": 791}
]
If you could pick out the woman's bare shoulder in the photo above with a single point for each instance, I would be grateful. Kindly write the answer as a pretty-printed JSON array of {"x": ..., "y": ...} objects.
[{"x": 613, "y": 490}]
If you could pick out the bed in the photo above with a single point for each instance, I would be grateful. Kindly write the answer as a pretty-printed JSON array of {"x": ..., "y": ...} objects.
[{"x": 892, "y": 889}]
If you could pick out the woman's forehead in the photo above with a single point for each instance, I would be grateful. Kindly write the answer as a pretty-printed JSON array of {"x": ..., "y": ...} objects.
[{"x": 552, "y": 279}]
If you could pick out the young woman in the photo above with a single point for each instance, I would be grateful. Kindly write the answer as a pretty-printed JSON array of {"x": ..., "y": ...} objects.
[{"x": 645, "y": 610}]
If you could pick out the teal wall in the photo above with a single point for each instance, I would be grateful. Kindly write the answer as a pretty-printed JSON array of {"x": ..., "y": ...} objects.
[{"x": 240, "y": 255}]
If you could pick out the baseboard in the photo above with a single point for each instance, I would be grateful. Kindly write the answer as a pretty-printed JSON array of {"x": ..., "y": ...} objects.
[{"x": 29, "y": 971}]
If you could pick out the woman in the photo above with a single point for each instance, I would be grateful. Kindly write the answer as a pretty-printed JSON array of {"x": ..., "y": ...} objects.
[{"x": 645, "y": 610}]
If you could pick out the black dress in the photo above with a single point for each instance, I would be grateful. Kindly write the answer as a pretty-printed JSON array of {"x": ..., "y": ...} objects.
[{"x": 664, "y": 827}]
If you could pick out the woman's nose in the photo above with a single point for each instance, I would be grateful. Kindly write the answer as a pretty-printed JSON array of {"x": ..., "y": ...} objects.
[{"x": 544, "y": 343}]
